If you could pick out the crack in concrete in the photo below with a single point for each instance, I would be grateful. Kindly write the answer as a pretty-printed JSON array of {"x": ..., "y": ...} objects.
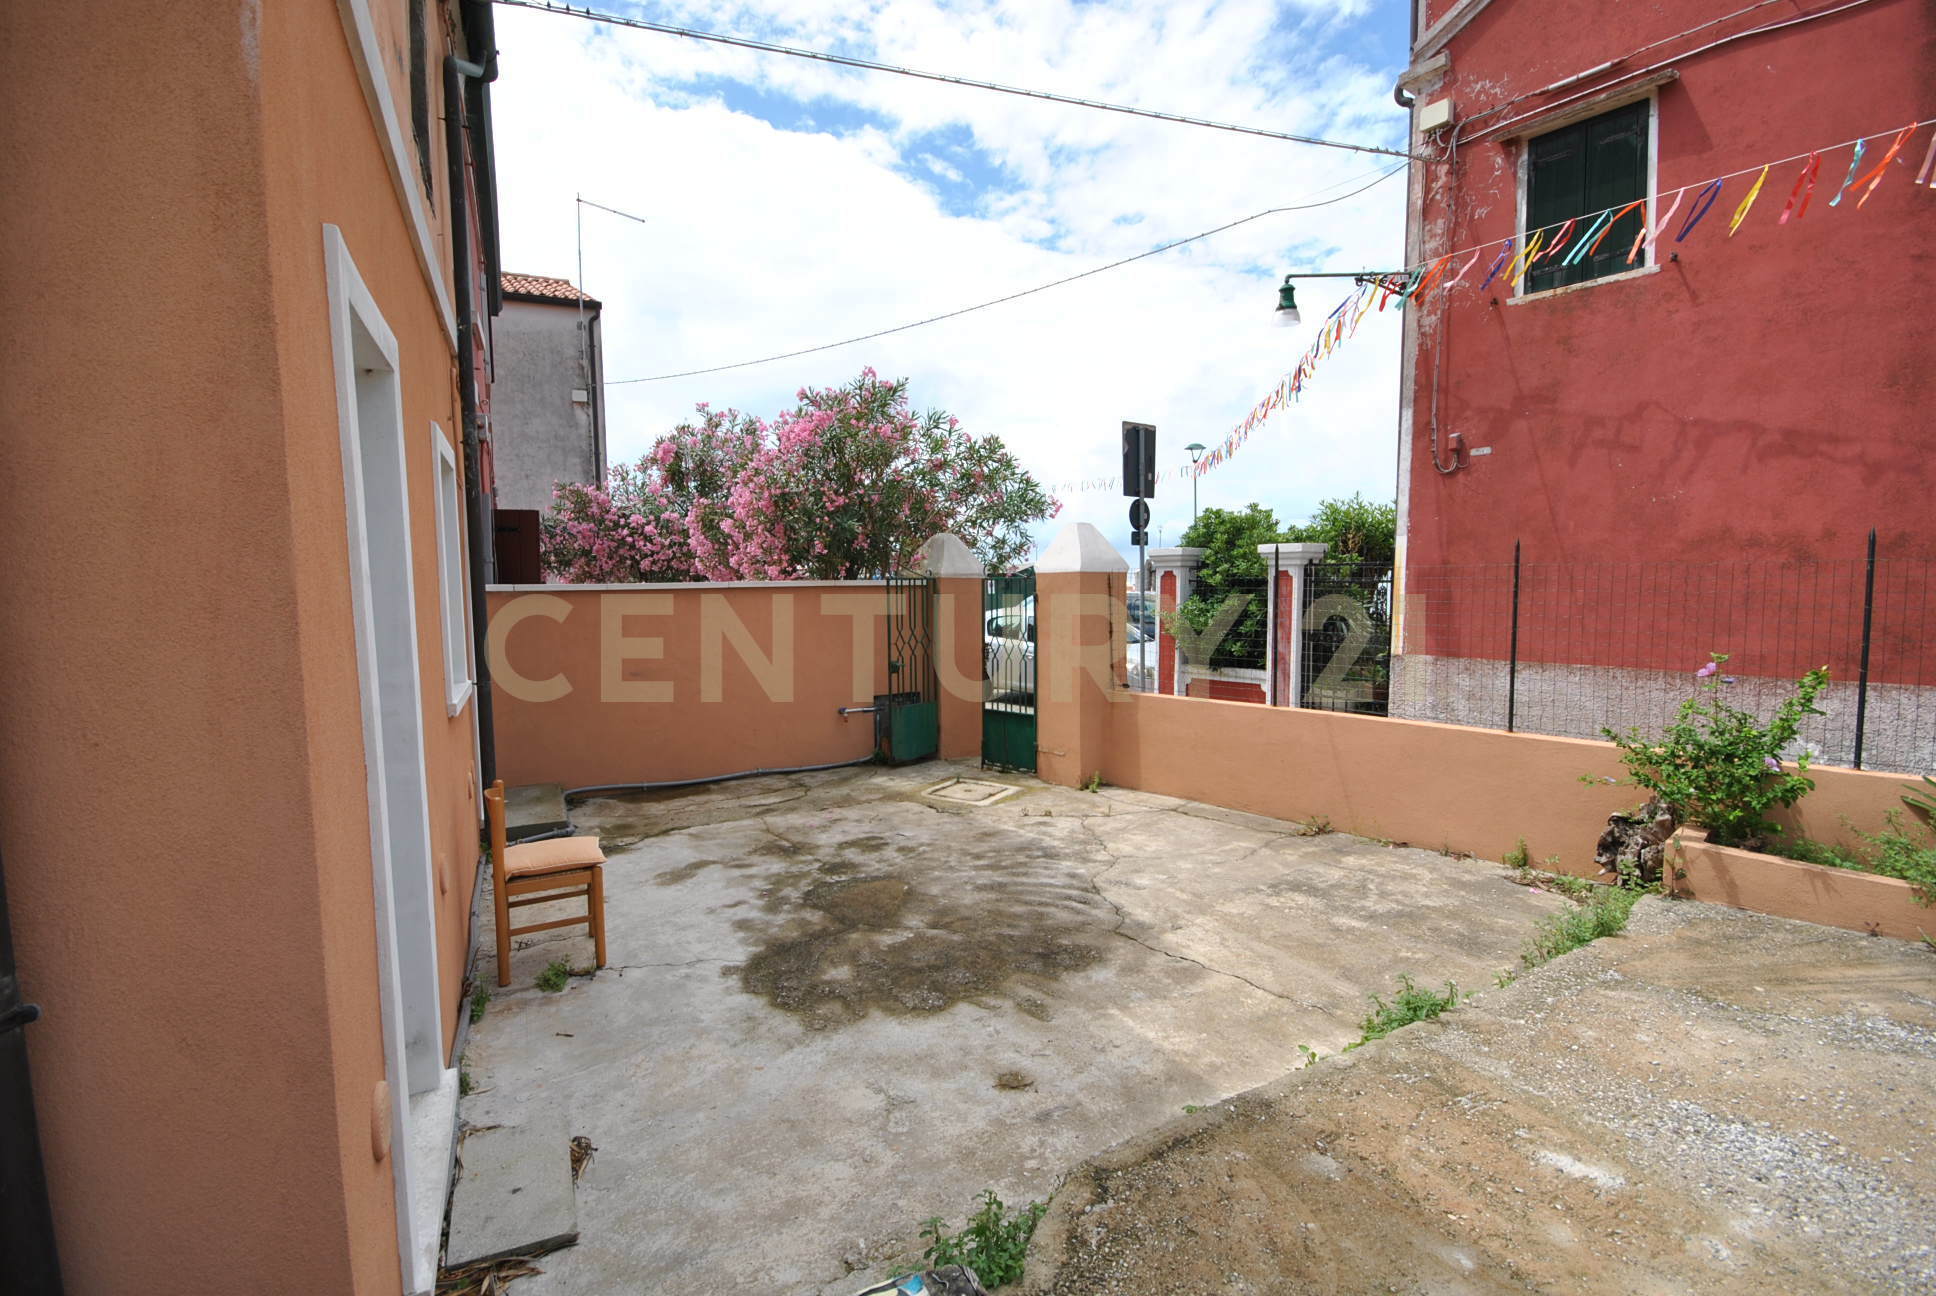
[
  {"x": 1122, "y": 920},
  {"x": 623, "y": 968}
]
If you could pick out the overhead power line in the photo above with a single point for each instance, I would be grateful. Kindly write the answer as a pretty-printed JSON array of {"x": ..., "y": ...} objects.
[
  {"x": 1027, "y": 292},
  {"x": 869, "y": 65}
]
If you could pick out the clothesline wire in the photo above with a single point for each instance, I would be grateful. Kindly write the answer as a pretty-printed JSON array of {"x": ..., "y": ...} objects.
[
  {"x": 1026, "y": 292},
  {"x": 1210, "y": 461},
  {"x": 1672, "y": 189}
]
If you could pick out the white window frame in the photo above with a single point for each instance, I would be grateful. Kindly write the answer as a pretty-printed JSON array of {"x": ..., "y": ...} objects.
[
  {"x": 1646, "y": 263},
  {"x": 453, "y": 582}
]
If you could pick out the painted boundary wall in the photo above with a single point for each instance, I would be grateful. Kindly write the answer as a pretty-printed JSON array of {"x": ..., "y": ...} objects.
[
  {"x": 1430, "y": 785},
  {"x": 601, "y": 684}
]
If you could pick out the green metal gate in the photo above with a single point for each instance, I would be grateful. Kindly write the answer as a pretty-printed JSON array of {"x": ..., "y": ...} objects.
[
  {"x": 910, "y": 710},
  {"x": 1008, "y": 658}
]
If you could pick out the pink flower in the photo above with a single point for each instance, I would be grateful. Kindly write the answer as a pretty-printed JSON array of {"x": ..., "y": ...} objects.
[{"x": 1711, "y": 669}]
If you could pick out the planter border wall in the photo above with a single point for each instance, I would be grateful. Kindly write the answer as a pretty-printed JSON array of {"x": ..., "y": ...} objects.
[{"x": 1785, "y": 888}]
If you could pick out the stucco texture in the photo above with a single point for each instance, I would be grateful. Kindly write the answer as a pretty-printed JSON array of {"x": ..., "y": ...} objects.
[
  {"x": 1760, "y": 395},
  {"x": 181, "y": 778},
  {"x": 704, "y": 683}
]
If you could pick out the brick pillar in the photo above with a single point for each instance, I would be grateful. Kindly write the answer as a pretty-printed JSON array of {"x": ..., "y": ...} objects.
[
  {"x": 1081, "y": 584},
  {"x": 1284, "y": 653},
  {"x": 1175, "y": 572},
  {"x": 958, "y": 665}
]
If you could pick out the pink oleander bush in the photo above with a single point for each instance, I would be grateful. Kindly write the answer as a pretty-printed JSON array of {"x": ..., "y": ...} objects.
[{"x": 848, "y": 484}]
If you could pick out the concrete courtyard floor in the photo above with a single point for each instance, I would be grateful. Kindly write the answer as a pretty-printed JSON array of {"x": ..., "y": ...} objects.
[{"x": 837, "y": 1006}]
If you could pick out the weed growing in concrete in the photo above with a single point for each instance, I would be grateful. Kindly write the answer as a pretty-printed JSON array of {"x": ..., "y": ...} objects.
[
  {"x": 1310, "y": 1054},
  {"x": 1518, "y": 858},
  {"x": 1504, "y": 979},
  {"x": 1604, "y": 915},
  {"x": 480, "y": 1000},
  {"x": 993, "y": 1243},
  {"x": 1410, "y": 1004},
  {"x": 1551, "y": 879},
  {"x": 1094, "y": 784},
  {"x": 465, "y": 1087},
  {"x": 553, "y": 978},
  {"x": 1191, "y": 1109},
  {"x": 1316, "y": 826}
]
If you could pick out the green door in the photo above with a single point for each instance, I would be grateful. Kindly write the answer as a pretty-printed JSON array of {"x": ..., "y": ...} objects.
[
  {"x": 911, "y": 729},
  {"x": 1008, "y": 661}
]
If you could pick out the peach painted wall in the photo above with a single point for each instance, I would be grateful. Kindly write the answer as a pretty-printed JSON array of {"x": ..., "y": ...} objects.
[
  {"x": 1432, "y": 785},
  {"x": 307, "y": 64},
  {"x": 181, "y": 777},
  {"x": 575, "y": 707}
]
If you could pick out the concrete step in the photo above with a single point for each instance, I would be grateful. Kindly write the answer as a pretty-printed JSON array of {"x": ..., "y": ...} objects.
[
  {"x": 533, "y": 809},
  {"x": 514, "y": 1193}
]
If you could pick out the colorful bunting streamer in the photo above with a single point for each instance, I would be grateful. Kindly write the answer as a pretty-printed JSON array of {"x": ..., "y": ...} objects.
[
  {"x": 1741, "y": 212},
  {"x": 1516, "y": 259}
]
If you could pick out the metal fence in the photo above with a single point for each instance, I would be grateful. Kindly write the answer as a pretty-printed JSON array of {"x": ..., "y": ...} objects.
[{"x": 1576, "y": 648}]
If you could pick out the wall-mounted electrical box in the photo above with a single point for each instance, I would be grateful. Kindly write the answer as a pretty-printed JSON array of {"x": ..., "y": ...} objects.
[{"x": 1436, "y": 115}]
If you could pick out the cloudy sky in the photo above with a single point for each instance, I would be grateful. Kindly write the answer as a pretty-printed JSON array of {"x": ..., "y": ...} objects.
[{"x": 790, "y": 204}]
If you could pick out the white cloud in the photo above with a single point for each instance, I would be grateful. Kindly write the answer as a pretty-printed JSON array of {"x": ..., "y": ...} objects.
[{"x": 849, "y": 218}]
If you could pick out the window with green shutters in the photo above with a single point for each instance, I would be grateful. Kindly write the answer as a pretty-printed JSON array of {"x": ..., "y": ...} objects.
[{"x": 1577, "y": 172}]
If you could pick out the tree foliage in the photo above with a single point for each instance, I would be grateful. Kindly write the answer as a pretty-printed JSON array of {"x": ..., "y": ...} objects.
[
  {"x": 1356, "y": 529},
  {"x": 1231, "y": 568},
  {"x": 847, "y": 484}
]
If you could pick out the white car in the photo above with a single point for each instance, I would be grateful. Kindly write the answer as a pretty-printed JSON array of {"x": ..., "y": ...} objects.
[{"x": 1008, "y": 654}]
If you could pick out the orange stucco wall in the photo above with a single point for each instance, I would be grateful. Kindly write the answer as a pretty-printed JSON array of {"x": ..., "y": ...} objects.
[
  {"x": 181, "y": 770},
  {"x": 644, "y": 711},
  {"x": 1864, "y": 902},
  {"x": 1432, "y": 785}
]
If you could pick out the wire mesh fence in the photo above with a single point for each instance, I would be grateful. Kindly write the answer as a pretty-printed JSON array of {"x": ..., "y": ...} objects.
[
  {"x": 1574, "y": 649},
  {"x": 1344, "y": 637},
  {"x": 1222, "y": 634},
  {"x": 1577, "y": 648}
]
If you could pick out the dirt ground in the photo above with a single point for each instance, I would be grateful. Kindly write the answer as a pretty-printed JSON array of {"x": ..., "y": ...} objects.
[{"x": 1712, "y": 1102}]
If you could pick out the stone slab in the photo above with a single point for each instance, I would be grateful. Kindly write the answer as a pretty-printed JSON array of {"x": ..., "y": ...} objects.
[
  {"x": 514, "y": 1192},
  {"x": 533, "y": 809}
]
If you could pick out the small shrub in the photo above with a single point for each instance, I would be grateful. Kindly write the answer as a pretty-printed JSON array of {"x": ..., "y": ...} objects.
[
  {"x": 554, "y": 977},
  {"x": 1410, "y": 1004},
  {"x": 1922, "y": 800},
  {"x": 1718, "y": 766},
  {"x": 993, "y": 1243}
]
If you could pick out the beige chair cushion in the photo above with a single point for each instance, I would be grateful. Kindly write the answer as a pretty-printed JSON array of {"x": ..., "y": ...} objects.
[{"x": 553, "y": 856}]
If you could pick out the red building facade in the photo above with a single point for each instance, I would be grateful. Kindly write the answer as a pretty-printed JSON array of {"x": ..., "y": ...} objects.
[
  {"x": 1755, "y": 395},
  {"x": 1760, "y": 395}
]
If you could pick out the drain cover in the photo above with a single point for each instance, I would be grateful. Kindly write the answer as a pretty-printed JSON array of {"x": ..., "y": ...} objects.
[{"x": 970, "y": 791}]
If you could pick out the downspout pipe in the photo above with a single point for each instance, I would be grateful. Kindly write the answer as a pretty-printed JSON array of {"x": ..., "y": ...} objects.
[{"x": 477, "y": 512}]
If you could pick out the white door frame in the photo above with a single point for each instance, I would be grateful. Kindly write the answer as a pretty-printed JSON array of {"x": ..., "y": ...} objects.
[{"x": 369, "y": 403}]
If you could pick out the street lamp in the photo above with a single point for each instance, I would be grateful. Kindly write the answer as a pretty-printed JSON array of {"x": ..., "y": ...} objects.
[
  {"x": 1196, "y": 449},
  {"x": 1287, "y": 303}
]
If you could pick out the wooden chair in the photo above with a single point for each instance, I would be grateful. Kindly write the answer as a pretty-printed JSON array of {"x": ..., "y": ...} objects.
[{"x": 560, "y": 868}]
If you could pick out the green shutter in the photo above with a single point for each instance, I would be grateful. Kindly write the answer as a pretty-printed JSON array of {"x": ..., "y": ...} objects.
[{"x": 1579, "y": 171}]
